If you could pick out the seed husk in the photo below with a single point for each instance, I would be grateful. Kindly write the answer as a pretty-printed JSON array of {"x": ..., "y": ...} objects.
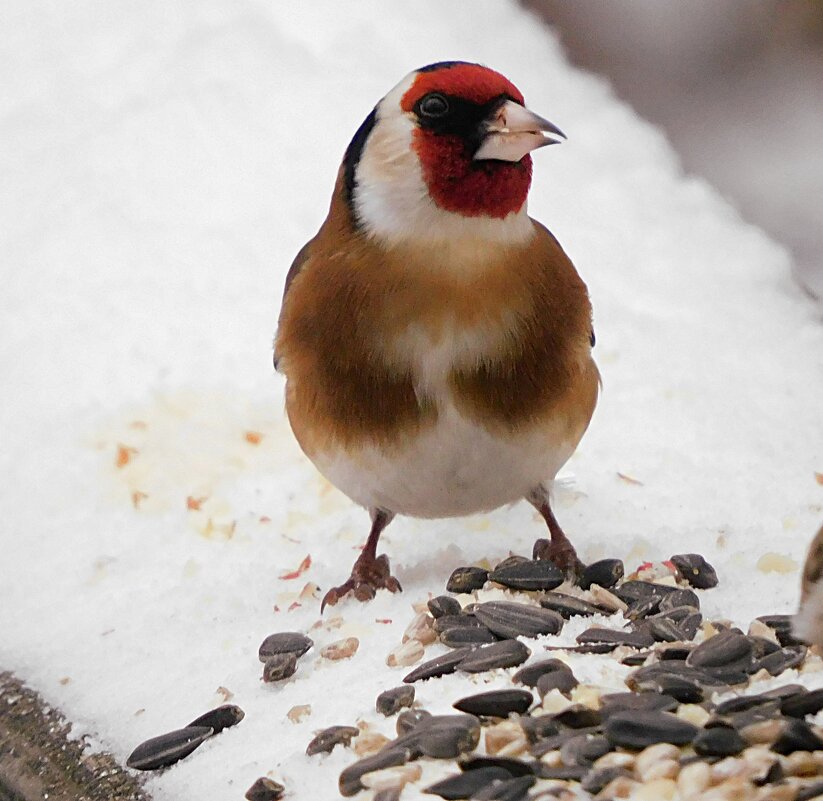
[
  {"x": 405, "y": 654},
  {"x": 496, "y": 703},
  {"x": 694, "y": 569},
  {"x": 534, "y": 574},
  {"x": 439, "y": 666},
  {"x": 222, "y": 717},
  {"x": 390, "y": 702},
  {"x": 341, "y": 649},
  {"x": 508, "y": 619},
  {"x": 635, "y": 639},
  {"x": 605, "y": 573},
  {"x": 639, "y": 729},
  {"x": 443, "y": 605},
  {"x": 349, "y": 782},
  {"x": 467, "y": 579},
  {"x": 284, "y": 642},
  {"x": 279, "y": 667},
  {"x": 530, "y": 674},
  {"x": 722, "y": 741},
  {"x": 506, "y": 653},
  {"x": 568, "y": 606},
  {"x": 325, "y": 741},
  {"x": 265, "y": 789},
  {"x": 466, "y": 784},
  {"x": 166, "y": 749}
]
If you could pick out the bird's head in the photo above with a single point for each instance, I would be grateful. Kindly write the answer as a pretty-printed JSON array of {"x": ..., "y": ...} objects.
[{"x": 445, "y": 154}]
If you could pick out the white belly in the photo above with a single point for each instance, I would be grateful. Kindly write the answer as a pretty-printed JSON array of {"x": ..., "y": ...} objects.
[{"x": 454, "y": 468}]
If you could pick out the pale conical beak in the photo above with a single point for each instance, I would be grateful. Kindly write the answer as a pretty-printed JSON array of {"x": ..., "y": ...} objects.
[{"x": 512, "y": 131}]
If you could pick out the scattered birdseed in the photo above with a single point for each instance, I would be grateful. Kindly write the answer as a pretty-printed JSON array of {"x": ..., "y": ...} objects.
[{"x": 341, "y": 649}]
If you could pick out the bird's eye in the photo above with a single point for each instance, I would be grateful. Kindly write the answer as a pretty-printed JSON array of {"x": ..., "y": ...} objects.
[{"x": 434, "y": 105}]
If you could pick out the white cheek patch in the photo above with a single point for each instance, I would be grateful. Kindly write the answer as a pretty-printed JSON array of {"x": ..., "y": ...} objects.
[{"x": 392, "y": 200}]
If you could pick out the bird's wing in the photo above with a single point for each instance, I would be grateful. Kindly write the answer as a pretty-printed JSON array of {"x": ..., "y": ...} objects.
[{"x": 299, "y": 260}]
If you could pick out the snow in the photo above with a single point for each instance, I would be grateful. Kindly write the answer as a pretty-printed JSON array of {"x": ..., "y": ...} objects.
[{"x": 161, "y": 164}]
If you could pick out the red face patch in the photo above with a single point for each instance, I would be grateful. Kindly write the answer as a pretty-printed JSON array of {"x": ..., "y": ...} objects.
[
  {"x": 455, "y": 181},
  {"x": 470, "y": 81}
]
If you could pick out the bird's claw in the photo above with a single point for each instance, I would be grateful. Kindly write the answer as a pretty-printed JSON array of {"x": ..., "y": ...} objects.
[
  {"x": 561, "y": 554},
  {"x": 368, "y": 575}
]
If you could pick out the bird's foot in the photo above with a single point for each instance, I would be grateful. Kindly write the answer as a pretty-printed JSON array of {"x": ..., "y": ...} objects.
[
  {"x": 562, "y": 554},
  {"x": 368, "y": 575}
]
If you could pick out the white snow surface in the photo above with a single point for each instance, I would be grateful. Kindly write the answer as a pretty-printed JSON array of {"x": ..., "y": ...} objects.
[{"x": 160, "y": 165}]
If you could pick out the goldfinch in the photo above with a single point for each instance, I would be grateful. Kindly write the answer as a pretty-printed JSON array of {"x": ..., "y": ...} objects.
[{"x": 436, "y": 340}]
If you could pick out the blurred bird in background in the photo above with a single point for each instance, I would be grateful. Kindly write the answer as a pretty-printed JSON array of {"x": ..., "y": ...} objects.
[{"x": 435, "y": 339}]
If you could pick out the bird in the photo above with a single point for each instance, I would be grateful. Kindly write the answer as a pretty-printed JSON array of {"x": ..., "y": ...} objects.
[
  {"x": 807, "y": 624},
  {"x": 436, "y": 340}
]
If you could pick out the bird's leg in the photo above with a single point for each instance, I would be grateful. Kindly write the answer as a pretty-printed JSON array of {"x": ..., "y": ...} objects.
[
  {"x": 370, "y": 572},
  {"x": 559, "y": 550}
]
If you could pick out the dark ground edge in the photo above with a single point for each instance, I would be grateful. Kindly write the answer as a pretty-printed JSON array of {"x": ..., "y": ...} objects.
[{"x": 38, "y": 759}]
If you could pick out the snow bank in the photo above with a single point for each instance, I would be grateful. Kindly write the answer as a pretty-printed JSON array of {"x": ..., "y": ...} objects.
[{"x": 161, "y": 165}]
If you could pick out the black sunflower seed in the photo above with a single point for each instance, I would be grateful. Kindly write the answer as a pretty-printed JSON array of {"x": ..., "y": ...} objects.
[
  {"x": 679, "y": 598},
  {"x": 681, "y": 688},
  {"x": 724, "y": 649},
  {"x": 642, "y": 608},
  {"x": 325, "y": 741},
  {"x": 584, "y": 749},
  {"x": 220, "y": 718},
  {"x": 574, "y": 773},
  {"x": 284, "y": 642},
  {"x": 635, "y": 639},
  {"x": 810, "y": 791},
  {"x": 515, "y": 767},
  {"x": 439, "y": 666},
  {"x": 665, "y": 630},
  {"x": 443, "y": 605},
  {"x": 448, "y": 622},
  {"x": 441, "y": 736},
  {"x": 627, "y": 702},
  {"x": 743, "y": 702},
  {"x": 782, "y": 626},
  {"x": 578, "y": 716},
  {"x": 722, "y": 741},
  {"x": 506, "y": 653},
  {"x": 695, "y": 569},
  {"x": 462, "y": 637},
  {"x": 265, "y": 789},
  {"x": 802, "y": 704},
  {"x": 635, "y": 589},
  {"x": 535, "y": 574},
  {"x": 530, "y": 674},
  {"x": 797, "y": 735},
  {"x": 675, "y": 650},
  {"x": 279, "y": 667},
  {"x": 508, "y": 619},
  {"x": 467, "y": 579},
  {"x": 349, "y": 782},
  {"x": 636, "y": 659},
  {"x": 159, "y": 752},
  {"x": 782, "y": 659},
  {"x": 390, "y": 702},
  {"x": 563, "y": 681},
  {"x": 409, "y": 719},
  {"x": 514, "y": 789},
  {"x": 638, "y": 729},
  {"x": 596, "y": 780},
  {"x": 606, "y": 573},
  {"x": 538, "y": 728},
  {"x": 464, "y": 785},
  {"x": 569, "y": 606},
  {"x": 496, "y": 703},
  {"x": 556, "y": 742}
]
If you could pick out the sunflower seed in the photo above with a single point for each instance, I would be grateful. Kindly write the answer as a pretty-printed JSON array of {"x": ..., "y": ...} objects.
[
  {"x": 341, "y": 649},
  {"x": 681, "y": 688},
  {"x": 695, "y": 569},
  {"x": 222, "y": 717},
  {"x": 574, "y": 773},
  {"x": 563, "y": 681},
  {"x": 444, "y": 605},
  {"x": 390, "y": 702},
  {"x": 630, "y": 702},
  {"x": 496, "y": 703},
  {"x": 467, "y": 579},
  {"x": 665, "y": 630},
  {"x": 410, "y": 718},
  {"x": 810, "y": 791},
  {"x": 530, "y": 674},
  {"x": 284, "y": 642},
  {"x": 722, "y": 741},
  {"x": 537, "y": 574},
  {"x": 635, "y": 639},
  {"x": 642, "y": 608},
  {"x": 797, "y": 735},
  {"x": 783, "y": 659},
  {"x": 166, "y": 749},
  {"x": 265, "y": 789},
  {"x": 514, "y": 789},
  {"x": 349, "y": 782},
  {"x": 507, "y": 619},
  {"x": 538, "y": 728},
  {"x": 325, "y": 741},
  {"x": 596, "y": 780},
  {"x": 568, "y": 606},
  {"x": 743, "y": 702},
  {"x": 515, "y": 767},
  {"x": 605, "y": 573},
  {"x": 578, "y": 716},
  {"x": 279, "y": 667},
  {"x": 584, "y": 749},
  {"x": 460, "y": 638},
  {"x": 679, "y": 598},
  {"x": 448, "y": 622},
  {"x": 465, "y": 785},
  {"x": 802, "y": 704},
  {"x": 638, "y": 729},
  {"x": 507, "y": 653},
  {"x": 635, "y": 589},
  {"x": 728, "y": 648},
  {"x": 441, "y": 736},
  {"x": 439, "y": 666}
]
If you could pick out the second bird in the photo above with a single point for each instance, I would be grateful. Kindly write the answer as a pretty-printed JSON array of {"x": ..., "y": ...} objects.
[{"x": 435, "y": 339}]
